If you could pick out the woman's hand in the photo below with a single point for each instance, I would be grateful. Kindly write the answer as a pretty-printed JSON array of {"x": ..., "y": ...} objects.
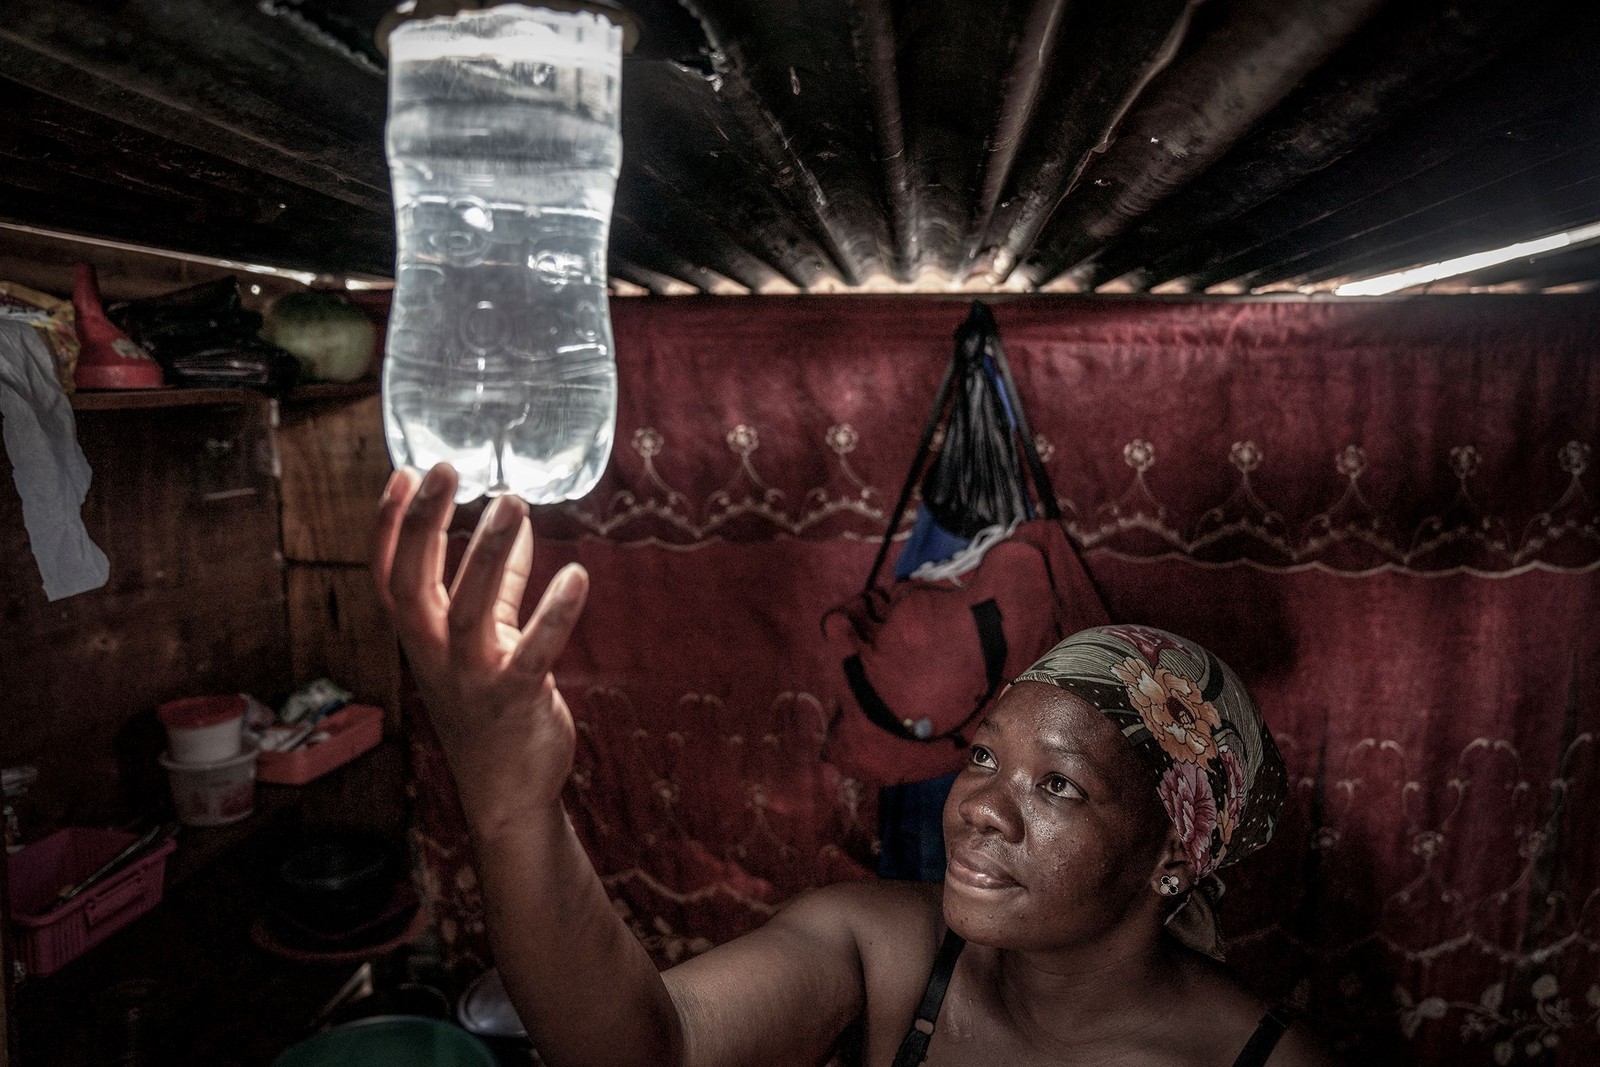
[{"x": 505, "y": 729}]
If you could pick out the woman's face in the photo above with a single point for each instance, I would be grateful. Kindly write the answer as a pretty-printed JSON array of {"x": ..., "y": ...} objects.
[{"x": 1052, "y": 830}]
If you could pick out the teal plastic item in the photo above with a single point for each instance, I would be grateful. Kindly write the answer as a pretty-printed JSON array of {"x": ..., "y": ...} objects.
[{"x": 390, "y": 1041}]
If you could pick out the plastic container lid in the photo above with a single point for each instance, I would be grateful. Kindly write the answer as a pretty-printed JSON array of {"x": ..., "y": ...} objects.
[{"x": 191, "y": 713}]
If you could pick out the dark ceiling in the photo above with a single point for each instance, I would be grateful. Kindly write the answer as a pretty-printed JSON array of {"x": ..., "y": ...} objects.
[{"x": 1224, "y": 145}]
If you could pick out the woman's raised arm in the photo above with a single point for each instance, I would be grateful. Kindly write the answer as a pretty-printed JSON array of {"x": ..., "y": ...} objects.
[{"x": 584, "y": 987}]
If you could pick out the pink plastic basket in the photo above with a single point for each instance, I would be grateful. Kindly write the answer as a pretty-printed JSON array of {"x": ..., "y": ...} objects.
[
  {"x": 48, "y": 937},
  {"x": 351, "y": 731}
]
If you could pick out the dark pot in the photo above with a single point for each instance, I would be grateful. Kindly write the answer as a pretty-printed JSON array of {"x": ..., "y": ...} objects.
[{"x": 336, "y": 882}]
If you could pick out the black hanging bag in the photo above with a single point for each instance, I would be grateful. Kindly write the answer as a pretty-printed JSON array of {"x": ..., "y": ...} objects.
[{"x": 922, "y": 661}]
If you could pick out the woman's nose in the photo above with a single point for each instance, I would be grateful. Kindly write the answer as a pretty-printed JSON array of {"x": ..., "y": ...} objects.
[{"x": 990, "y": 807}]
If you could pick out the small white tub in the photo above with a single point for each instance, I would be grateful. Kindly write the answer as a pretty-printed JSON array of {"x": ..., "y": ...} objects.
[{"x": 204, "y": 729}]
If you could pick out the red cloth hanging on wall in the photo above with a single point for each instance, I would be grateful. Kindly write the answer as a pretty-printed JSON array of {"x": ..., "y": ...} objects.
[{"x": 1381, "y": 513}]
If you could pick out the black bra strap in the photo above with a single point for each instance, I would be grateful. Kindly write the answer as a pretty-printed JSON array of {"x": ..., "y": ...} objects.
[
  {"x": 1263, "y": 1041},
  {"x": 915, "y": 1045}
]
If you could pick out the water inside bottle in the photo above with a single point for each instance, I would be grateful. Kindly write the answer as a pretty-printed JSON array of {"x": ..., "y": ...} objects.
[{"x": 500, "y": 353}]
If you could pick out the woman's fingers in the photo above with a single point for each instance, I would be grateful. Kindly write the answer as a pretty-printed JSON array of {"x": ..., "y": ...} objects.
[
  {"x": 519, "y": 568},
  {"x": 547, "y": 631},
  {"x": 487, "y": 593},
  {"x": 396, "y": 495},
  {"x": 475, "y": 623},
  {"x": 418, "y": 557}
]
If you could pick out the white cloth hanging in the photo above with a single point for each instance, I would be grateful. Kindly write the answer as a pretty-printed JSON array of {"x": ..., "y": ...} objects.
[{"x": 49, "y": 468}]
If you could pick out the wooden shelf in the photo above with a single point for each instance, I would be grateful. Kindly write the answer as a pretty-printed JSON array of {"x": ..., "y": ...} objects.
[
  {"x": 139, "y": 399},
  {"x": 335, "y": 390},
  {"x": 177, "y": 397}
]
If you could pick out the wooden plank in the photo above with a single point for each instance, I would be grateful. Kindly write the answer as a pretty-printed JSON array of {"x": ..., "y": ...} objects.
[
  {"x": 130, "y": 399},
  {"x": 176, "y": 193},
  {"x": 224, "y": 77},
  {"x": 339, "y": 630},
  {"x": 335, "y": 464},
  {"x": 43, "y": 260},
  {"x": 135, "y": 399},
  {"x": 8, "y": 972},
  {"x": 359, "y": 242}
]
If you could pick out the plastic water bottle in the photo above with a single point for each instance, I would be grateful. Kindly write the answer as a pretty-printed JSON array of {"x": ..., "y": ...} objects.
[{"x": 503, "y": 147}]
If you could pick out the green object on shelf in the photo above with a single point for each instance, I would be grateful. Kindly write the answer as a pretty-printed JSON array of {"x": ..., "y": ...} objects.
[
  {"x": 330, "y": 336},
  {"x": 390, "y": 1041}
]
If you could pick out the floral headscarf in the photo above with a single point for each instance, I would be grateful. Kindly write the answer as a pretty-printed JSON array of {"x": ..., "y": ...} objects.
[{"x": 1189, "y": 718}]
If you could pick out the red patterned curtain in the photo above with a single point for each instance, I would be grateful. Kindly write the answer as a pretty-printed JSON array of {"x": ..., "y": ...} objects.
[{"x": 1381, "y": 513}]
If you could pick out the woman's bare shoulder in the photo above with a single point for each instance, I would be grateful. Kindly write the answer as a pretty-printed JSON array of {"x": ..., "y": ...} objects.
[
  {"x": 1225, "y": 1009},
  {"x": 797, "y": 981},
  {"x": 895, "y": 928}
]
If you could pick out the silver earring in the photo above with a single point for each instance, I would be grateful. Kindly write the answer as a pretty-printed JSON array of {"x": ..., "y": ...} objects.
[{"x": 1169, "y": 885}]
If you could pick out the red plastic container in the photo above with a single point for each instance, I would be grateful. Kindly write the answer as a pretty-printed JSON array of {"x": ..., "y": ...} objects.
[
  {"x": 352, "y": 730},
  {"x": 48, "y": 937},
  {"x": 107, "y": 358}
]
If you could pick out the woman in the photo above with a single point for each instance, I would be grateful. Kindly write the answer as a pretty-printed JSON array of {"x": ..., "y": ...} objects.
[{"x": 1104, "y": 787}]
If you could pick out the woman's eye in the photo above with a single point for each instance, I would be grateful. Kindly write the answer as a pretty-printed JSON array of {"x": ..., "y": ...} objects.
[
  {"x": 982, "y": 757},
  {"x": 1057, "y": 785}
]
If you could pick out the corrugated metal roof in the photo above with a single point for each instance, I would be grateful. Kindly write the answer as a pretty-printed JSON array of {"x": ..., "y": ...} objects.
[{"x": 775, "y": 145}]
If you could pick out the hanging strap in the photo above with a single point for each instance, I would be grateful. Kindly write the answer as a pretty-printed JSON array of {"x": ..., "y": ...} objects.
[
  {"x": 914, "y": 1047},
  {"x": 992, "y": 640},
  {"x": 1263, "y": 1041},
  {"x": 924, "y": 447},
  {"x": 1030, "y": 451},
  {"x": 979, "y": 319}
]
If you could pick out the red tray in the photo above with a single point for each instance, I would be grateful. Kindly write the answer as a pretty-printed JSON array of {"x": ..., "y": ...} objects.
[
  {"x": 48, "y": 937},
  {"x": 352, "y": 730}
]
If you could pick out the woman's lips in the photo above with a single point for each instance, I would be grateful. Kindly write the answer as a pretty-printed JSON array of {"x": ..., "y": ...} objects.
[{"x": 972, "y": 868}]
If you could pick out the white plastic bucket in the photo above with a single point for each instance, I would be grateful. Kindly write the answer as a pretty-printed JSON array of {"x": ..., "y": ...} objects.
[{"x": 213, "y": 794}]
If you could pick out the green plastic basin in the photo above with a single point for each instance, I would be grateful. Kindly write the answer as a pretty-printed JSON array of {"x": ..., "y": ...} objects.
[{"x": 390, "y": 1041}]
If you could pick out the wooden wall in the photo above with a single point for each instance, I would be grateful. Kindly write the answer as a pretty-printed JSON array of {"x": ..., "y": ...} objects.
[
  {"x": 184, "y": 502},
  {"x": 236, "y": 526},
  {"x": 224, "y": 578},
  {"x": 335, "y": 464}
]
